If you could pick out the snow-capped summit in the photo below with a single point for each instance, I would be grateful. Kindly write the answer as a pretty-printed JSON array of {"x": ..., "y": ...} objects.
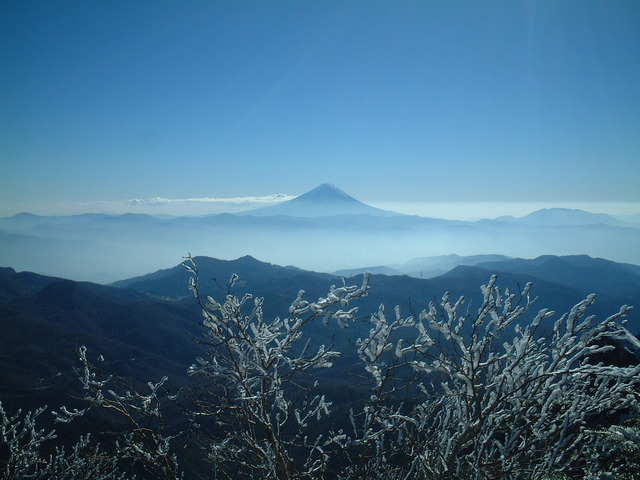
[
  {"x": 323, "y": 201},
  {"x": 326, "y": 193}
]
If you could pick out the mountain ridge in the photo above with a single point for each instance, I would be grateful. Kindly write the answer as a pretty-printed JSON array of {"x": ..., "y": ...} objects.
[
  {"x": 214, "y": 274},
  {"x": 144, "y": 335},
  {"x": 563, "y": 274}
]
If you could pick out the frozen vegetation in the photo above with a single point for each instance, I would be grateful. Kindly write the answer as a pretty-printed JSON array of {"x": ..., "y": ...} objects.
[{"x": 500, "y": 390}]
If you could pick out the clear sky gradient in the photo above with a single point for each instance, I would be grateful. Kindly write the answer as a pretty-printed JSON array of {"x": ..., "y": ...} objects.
[{"x": 446, "y": 101}]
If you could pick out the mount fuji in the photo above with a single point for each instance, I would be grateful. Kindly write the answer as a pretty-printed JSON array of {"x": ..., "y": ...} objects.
[
  {"x": 323, "y": 201},
  {"x": 324, "y": 229}
]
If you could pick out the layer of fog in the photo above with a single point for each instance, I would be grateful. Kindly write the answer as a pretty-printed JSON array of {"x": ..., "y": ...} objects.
[
  {"x": 466, "y": 211},
  {"x": 106, "y": 249}
]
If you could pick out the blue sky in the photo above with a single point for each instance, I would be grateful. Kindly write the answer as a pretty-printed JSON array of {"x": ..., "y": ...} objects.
[{"x": 407, "y": 102}]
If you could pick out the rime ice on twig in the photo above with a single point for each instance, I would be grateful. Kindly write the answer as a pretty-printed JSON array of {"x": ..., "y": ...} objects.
[
  {"x": 502, "y": 409},
  {"x": 255, "y": 364}
]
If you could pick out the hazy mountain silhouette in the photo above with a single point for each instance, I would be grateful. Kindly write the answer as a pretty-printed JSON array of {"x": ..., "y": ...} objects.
[
  {"x": 323, "y": 230},
  {"x": 323, "y": 201},
  {"x": 379, "y": 269},
  {"x": 565, "y": 216},
  {"x": 426, "y": 267}
]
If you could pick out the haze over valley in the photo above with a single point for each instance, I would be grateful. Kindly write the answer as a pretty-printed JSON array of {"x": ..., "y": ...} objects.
[{"x": 324, "y": 230}]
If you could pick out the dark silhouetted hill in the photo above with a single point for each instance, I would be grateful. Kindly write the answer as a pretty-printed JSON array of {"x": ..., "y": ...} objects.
[
  {"x": 215, "y": 274},
  {"x": 578, "y": 271},
  {"x": 144, "y": 326},
  {"x": 44, "y": 320}
]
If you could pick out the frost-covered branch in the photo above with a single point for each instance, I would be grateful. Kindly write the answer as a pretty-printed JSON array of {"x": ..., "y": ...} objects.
[
  {"x": 501, "y": 391},
  {"x": 27, "y": 451},
  {"x": 253, "y": 362},
  {"x": 145, "y": 442},
  {"x": 505, "y": 401}
]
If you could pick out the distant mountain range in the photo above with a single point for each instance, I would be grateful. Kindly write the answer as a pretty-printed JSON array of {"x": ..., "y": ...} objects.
[
  {"x": 323, "y": 230},
  {"x": 564, "y": 216},
  {"x": 425, "y": 267}
]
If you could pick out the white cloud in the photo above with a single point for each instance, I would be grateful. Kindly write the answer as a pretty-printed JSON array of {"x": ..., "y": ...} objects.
[
  {"x": 235, "y": 201},
  {"x": 182, "y": 206},
  {"x": 152, "y": 206},
  {"x": 149, "y": 202}
]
